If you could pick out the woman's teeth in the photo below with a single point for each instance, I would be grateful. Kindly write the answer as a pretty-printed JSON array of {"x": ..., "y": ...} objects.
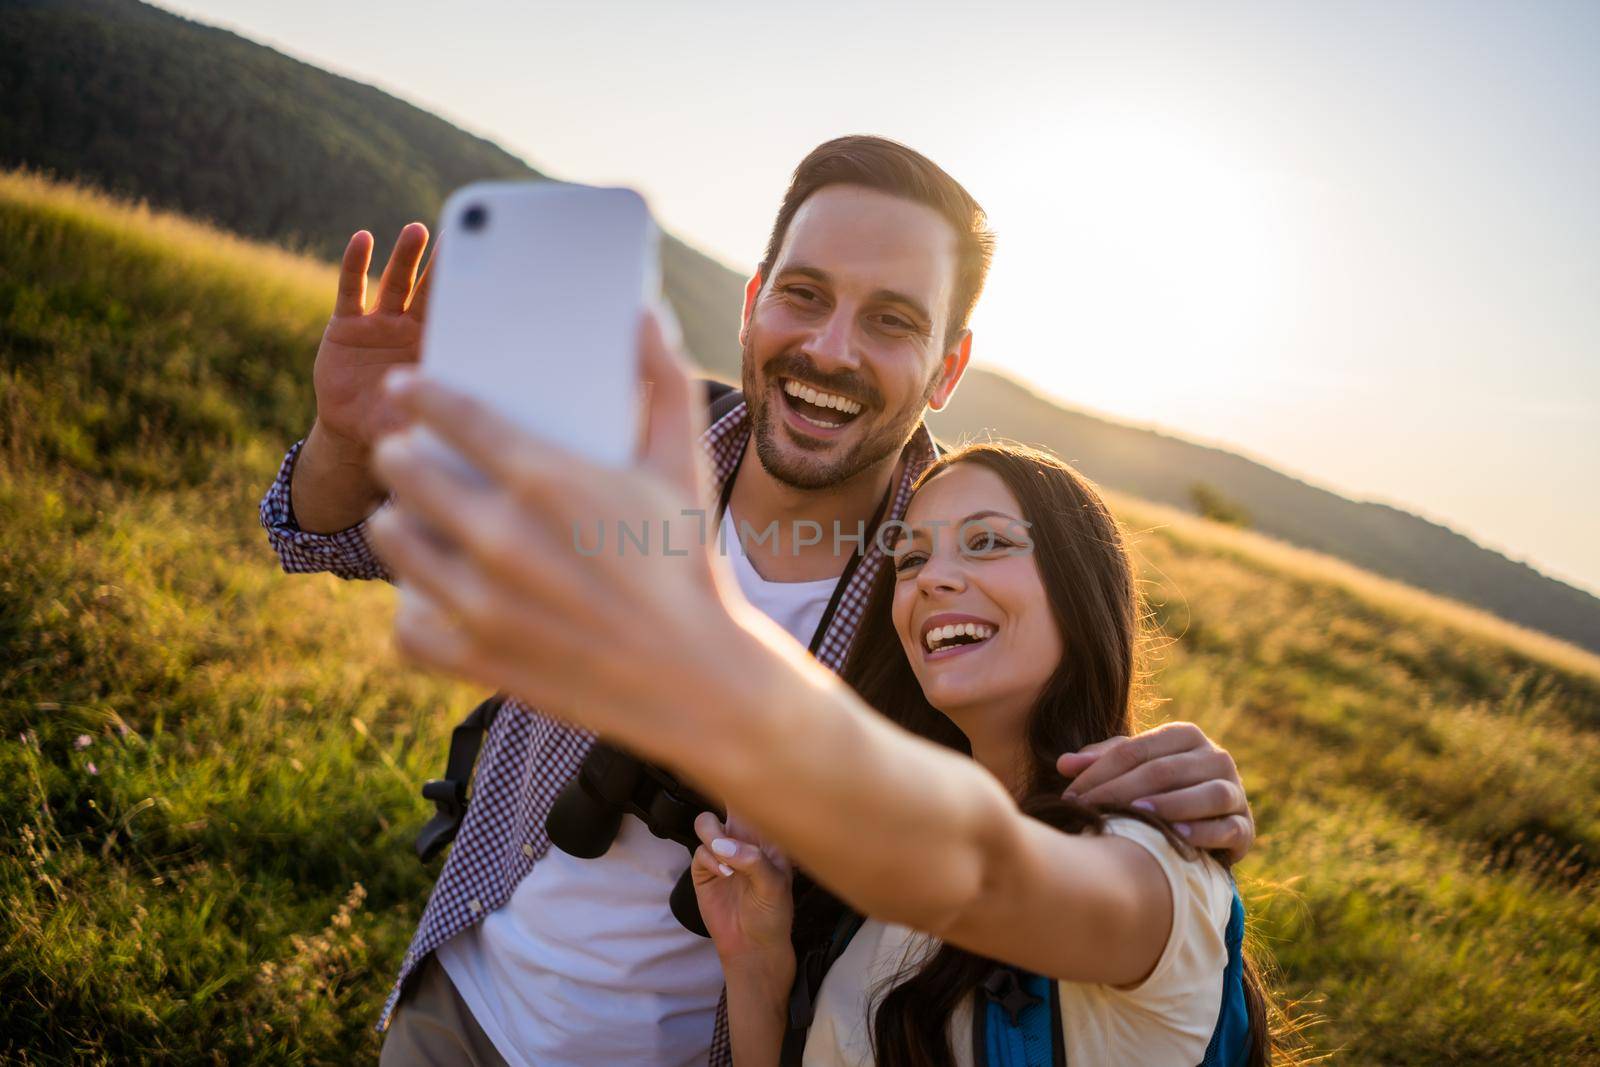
[
  {"x": 941, "y": 636},
  {"x": 822, "y": 401}
]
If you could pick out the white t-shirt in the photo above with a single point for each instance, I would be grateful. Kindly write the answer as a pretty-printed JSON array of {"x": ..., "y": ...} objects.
[
  {"x": 585, "y": 964},
  {"x": 1166, "y": 1021}
]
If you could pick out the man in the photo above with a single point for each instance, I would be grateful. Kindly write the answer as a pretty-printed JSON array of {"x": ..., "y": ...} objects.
[{"x": 853, "y": 325}]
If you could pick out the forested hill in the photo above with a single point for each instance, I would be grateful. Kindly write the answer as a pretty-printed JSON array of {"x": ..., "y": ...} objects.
[
  {"x": 148, "y": 104},
  {"x": 145, "y": 103}
]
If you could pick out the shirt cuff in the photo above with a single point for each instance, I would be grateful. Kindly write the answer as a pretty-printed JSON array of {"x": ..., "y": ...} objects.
[{"x": 346, "y": 553}]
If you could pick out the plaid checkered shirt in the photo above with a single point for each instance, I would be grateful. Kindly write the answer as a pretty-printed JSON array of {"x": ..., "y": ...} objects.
[{"x": 528, "y": 758}]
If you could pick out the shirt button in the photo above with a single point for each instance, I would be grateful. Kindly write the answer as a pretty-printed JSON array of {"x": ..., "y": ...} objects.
[
  {"x": 527, "y": 849},
  {"x": 474, "y": 906}
]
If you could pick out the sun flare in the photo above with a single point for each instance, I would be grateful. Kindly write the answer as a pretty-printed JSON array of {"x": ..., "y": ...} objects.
[{"x": 1130, "y": 253}]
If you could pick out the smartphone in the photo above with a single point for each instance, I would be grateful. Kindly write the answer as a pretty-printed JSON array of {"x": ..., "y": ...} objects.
[{"x": 536, "y": 307}]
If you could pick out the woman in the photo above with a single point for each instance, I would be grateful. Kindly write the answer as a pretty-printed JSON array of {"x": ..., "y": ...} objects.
[
  {"x": 1012, "y": 636},
  {"x": 900, "y": 827}
]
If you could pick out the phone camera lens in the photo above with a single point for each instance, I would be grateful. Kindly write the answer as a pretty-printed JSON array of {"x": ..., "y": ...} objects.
[{"x": 474, "y": 218}]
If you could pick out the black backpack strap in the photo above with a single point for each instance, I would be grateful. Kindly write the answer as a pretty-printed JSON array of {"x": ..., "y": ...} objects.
[
  {"x": 1016, "y": 1020},
  {"x": 721, "y": 398},
  {"x": 449, "y": 794},
  {"x": 808, "y": 977}
]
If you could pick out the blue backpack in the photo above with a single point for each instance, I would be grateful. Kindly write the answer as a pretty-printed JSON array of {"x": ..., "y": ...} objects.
[{"x": 1017, "y": 1022}]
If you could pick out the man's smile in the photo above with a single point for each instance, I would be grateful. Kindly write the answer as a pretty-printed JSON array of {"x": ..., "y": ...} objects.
[{"x": 817, "y": 412}]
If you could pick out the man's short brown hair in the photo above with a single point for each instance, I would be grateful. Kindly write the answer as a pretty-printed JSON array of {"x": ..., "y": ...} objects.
[{"x": 890, "y": 167}]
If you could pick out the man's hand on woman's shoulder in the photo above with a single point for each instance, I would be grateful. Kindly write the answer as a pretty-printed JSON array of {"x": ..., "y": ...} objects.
[{"x": 1173, "y": 771}]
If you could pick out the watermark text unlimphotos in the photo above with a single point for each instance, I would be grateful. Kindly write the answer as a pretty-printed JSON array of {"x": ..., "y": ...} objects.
[{"x": 975, "y": 536}]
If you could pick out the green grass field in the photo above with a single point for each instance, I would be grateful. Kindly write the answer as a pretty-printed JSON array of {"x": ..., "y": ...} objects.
[{"x": 208, "y": 770}]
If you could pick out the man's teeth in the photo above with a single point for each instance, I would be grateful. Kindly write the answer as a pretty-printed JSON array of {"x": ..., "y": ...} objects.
[
  {"x": 940, "y": 635},
  {"x": 842, "y": 404}
]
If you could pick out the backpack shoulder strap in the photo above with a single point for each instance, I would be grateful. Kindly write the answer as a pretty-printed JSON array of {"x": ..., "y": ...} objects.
[
  {"x": 1016, "y": 1021},
  {"x": 449, "y": 794},
  {"x": 721, "y": 398},
  {"x": 808, "y": 984},
  {"x": 1230, "y": 1043}
]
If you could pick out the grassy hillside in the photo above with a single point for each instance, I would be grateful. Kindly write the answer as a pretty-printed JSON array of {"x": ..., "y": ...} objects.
[
  {"x": 208, "y": 770},
  {"x": 194, "y": 118}
]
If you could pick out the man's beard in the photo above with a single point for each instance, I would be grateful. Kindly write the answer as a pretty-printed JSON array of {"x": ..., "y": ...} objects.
[{"x": 814, "y": 472}]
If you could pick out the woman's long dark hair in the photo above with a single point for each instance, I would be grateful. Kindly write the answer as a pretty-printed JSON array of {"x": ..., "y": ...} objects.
[{"x": 1083, "y": 563}]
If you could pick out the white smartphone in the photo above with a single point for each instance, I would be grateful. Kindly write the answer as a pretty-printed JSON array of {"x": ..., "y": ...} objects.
[{"x": 535, "y": 307}]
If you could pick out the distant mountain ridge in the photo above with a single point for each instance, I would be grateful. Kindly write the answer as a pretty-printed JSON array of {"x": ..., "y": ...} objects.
[
  {"x": 190, "y": 117},
  {"x": 1380, "y": 538}
]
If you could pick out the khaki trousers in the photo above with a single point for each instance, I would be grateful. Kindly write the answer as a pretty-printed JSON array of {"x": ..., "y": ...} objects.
[{"x": 432, "y": 1027}]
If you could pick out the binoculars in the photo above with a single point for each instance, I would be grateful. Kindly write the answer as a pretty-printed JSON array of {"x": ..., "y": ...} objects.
[{"x": 586, "y": 817}]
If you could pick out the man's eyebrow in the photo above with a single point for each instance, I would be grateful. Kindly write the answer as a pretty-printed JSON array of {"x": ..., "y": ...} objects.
[
  {"x": 808, "y": 272},
  {"x": 889, "y": 296},
  {"x": 882, "y": 296}
]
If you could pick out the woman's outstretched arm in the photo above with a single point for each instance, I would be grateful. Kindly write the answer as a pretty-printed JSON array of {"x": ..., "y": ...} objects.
[{"x": 903, "y": 829}]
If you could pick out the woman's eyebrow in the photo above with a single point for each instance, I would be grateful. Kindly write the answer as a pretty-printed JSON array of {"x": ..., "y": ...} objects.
[
  {"x": 922, "y": 531},
  {"x": 986, "y": 513}
]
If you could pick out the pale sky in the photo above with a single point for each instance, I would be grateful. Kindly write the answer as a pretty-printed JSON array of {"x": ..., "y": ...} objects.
[{"x": 1357, "y": 241}]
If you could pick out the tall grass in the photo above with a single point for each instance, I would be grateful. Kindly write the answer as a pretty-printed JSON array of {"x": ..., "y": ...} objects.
[{"x": 208, "y": 769}]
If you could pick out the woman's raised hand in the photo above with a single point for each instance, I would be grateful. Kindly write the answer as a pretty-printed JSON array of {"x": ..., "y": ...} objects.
[{"x": 745, "y": 892}]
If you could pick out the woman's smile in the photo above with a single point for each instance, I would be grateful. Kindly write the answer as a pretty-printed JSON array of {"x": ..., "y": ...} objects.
[{"x": 948, "y": 634}]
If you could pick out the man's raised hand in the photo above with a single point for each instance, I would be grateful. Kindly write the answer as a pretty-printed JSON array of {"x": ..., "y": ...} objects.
[
  {"x": 360, "y": 345},
  {"x": 333, "y": 487}
]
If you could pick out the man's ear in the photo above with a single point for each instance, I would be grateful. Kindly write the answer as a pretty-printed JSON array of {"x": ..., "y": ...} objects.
[
  {"x": 752, "y": 289},
  {"x": 955, "y": 365}
]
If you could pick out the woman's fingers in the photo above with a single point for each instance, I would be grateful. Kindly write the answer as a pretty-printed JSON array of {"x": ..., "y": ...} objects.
[
  {"x": 427, "y": 483},
  {"x": 495, "y": 533},
  {"x": 416, "y": 558},
  {"x": 400, "y": 273},
  {"x": 427, "y": 636},
  {"x": 352, "y": 298},
  {"x": 460, "y": 618},
  {"x": 707, "y": 827},
  {"x": 709, "y": 830},
  {"x": 706, "y": 867},
  {"x": 533, "y": 468},
  {"x": 670, "y": 443},
  {"x": 739, "y": 856},
  {"x": 747, "y": 859}
]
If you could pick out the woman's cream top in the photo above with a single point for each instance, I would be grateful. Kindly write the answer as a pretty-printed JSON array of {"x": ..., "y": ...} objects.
[{"x": 1166, "y": 1020}]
